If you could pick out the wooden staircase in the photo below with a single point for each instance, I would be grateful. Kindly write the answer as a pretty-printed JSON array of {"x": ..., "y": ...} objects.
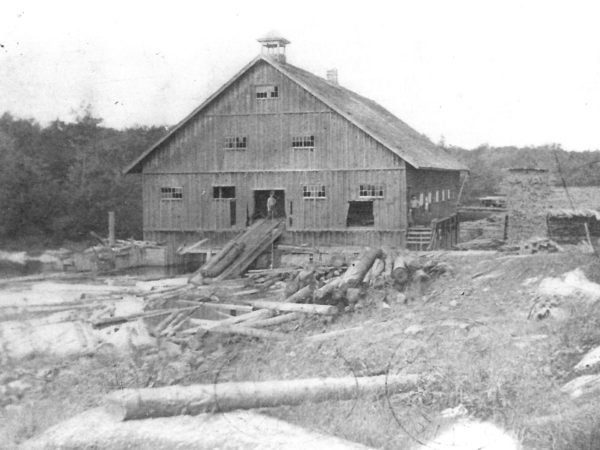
[{"x": 418, "y": 237}]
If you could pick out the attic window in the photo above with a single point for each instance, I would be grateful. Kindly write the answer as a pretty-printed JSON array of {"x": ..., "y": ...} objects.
[
  {"x": 267, "y": 92},
  {"x": 303, "y": 142},
  {"x": 171, "y": 193},
  {"x": 370, "y": 191},
  {"x": 235, "y": 143},
  {"x": 313, "y": 191}
]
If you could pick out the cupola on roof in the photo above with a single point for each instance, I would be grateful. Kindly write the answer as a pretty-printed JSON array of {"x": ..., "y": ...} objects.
[{"x": 273, "y": 45}]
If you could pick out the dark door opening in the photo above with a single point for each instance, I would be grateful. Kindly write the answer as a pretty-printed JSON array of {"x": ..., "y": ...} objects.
[
  {"x": 360, "y": 214},
  {"x": 260, "y": 203}
]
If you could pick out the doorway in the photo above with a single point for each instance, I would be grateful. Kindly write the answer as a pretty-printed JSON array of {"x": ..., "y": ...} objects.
[{"x": 260, "y": 203}]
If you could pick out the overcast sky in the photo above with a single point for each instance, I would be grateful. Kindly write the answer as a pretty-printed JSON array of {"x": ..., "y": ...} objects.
[{"x": 474, "y": 72}]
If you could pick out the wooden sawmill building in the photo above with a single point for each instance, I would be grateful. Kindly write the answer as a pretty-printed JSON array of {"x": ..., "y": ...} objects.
[{"x": 342, "y": 168}]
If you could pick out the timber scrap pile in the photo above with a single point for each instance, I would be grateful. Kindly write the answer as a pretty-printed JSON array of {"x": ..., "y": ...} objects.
[{"x": 266, "y": 299}]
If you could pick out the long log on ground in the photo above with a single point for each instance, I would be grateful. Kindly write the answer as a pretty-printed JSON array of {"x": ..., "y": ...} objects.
[
  {"x": 278, "y": 320},
  {"x": 167, "y": 401},
  {"x": 294, "y": 307},
  {"x": 224, "y": 306},
  {"x": 207, "y": 325},
  {"x": 247, "y": 331},
  {"x": 122, "y": 319}
]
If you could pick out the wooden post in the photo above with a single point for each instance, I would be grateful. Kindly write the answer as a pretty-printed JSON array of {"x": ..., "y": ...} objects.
[{"x": 111, "y": 228}]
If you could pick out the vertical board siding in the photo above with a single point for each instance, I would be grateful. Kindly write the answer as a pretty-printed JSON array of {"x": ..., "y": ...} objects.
[
  {"x": 269, "y": 126},
  {"x": 198, "y": 210}
]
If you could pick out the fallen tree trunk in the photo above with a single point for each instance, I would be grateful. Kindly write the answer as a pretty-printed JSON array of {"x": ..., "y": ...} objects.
[
  {"x": 294, "y": 307},
  {"x": 129, "y": 404}
]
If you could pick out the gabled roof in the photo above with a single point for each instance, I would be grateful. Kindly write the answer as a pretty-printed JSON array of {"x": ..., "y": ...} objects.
[{"x": 413, "y": 147}]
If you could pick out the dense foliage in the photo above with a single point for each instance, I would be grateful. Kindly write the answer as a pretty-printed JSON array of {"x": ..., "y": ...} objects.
[{"x": 59, "y": 181}]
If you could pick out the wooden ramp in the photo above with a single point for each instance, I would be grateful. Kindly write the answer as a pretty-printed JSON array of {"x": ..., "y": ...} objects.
[{"x": 245, "y": 248}]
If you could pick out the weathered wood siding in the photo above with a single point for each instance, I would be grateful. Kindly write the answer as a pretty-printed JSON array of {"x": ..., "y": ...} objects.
[
  {"x": 269, "y": 126},
  {"x": 198, "y": 210}
]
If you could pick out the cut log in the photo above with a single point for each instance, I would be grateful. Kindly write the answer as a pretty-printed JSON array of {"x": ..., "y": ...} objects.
[
  {"x": 210, "y": 324},
  {"x": 331, "y": 334},
  {"x": 303, "y": 294},
  {"x": 167, "y": 401},
  {"x": 247, "y": 331},
  {"x": 122, "y": 319},
  {"x": 351, "y": 278},
  {"x": 400, "y": 271},
  {"x": 284, "y": 318},
  {"x": 294, "y": 307},
  {"x": 215, "y": 270},
  {"x": 359, "y": 268}
]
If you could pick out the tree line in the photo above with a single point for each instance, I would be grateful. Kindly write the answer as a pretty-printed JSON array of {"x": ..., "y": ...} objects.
[{"x": 59, "y": 181}]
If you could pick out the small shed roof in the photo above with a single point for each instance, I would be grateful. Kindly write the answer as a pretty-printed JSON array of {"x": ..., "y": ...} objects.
[
  {"x": 413, "y": 147},
  {"x": 565, "y": 213}
]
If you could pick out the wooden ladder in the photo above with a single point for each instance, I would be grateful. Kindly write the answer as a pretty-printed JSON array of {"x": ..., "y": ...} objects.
[{"x": 418, "y": 238}]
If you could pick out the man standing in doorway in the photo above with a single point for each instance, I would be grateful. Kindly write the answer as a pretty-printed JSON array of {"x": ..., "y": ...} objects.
[{"x": 271, "y": 205}]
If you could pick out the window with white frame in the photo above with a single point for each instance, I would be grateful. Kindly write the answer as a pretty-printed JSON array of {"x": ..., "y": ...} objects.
[
  {"x": 449, "y": 194},
  {"x": 303, "y": 142},
  {"x": 437, "y": 196},
  {"x": 443, "y": 195},
  {"x": 235, "y": 143},
  {"x": 370, "y": 191},
  {"x": 266, "y": 92},
  {"x": 315, "y": 191},
  {"x": 429, "y": 197},
  {"x": 171, "y": 193}
]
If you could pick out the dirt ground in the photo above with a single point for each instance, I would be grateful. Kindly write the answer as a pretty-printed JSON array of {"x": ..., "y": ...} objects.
[{"x": 479, "y": 336}]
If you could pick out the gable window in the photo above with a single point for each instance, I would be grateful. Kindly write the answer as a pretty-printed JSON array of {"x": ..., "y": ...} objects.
[
  {"x": 235, "y": 143},
  {"x": 266, "y": 92},
  {"x": 370, "y": 191},
  {"x": 313, "y": 191},
  {"x": 171, "y": 193},
  {"x": 303, "y": 142},
  {"x": 223, "y": 192}
]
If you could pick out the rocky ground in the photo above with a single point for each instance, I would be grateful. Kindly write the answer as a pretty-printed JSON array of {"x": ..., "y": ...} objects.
[{"x": 495, "y": 340}]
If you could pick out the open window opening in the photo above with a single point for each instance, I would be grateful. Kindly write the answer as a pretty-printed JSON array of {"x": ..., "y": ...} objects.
[
  {"x": 360, "y": 214},
  {"x": 223, "y": 192}
]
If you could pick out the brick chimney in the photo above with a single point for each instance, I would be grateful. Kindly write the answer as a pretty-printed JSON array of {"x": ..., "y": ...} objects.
[{"x": 332, "y": 76}]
